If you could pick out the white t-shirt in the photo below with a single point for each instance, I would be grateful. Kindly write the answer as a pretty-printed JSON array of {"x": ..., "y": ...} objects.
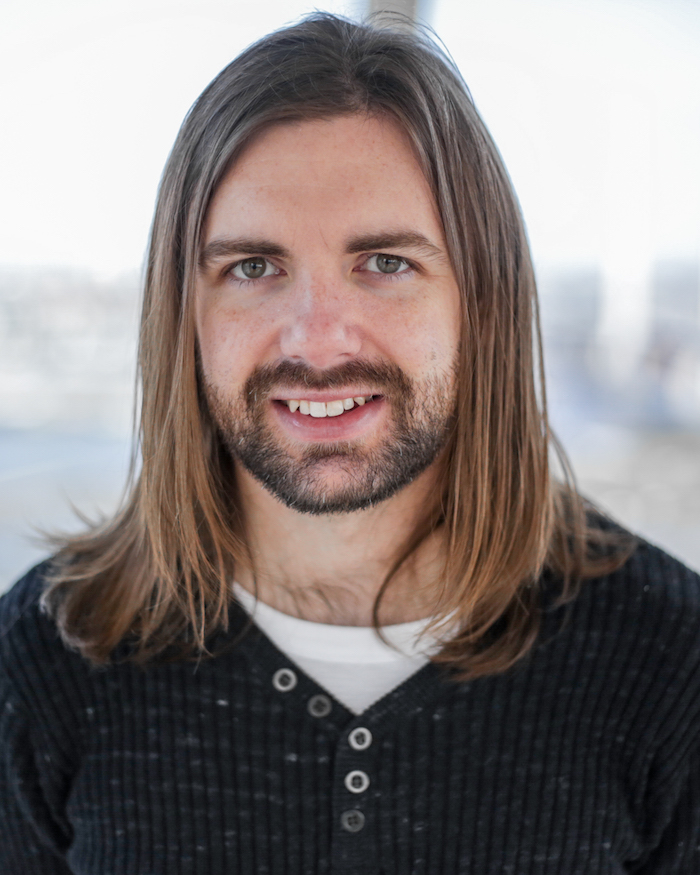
[{"x": 350, "y": 662}]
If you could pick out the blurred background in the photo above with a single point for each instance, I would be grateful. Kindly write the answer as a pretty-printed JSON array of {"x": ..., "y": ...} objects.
[{"x": 595, "y": 105}]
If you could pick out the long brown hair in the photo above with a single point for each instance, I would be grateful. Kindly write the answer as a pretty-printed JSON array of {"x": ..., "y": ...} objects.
[{"x": 160, "y": 570}]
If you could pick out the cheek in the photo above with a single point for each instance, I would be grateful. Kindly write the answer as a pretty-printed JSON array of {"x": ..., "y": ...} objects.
[
  {"x": 229, "y": 342},
  {"x": 427, "y": 336}
]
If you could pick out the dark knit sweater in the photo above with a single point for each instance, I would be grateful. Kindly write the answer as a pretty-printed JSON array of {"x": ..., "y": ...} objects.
[{"x": 581, "y": 759}]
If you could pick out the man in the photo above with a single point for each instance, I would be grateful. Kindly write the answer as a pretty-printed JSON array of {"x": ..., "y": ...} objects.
[{"x": 346, "y": 621}]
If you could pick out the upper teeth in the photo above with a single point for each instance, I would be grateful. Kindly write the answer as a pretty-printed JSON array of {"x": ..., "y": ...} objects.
[{"x": 326, "y": 408}]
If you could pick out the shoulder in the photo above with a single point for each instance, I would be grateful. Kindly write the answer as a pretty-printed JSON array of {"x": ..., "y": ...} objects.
[
  {"x": 651, "y": 598},
  {"x": 649, "y": 590},
  {"x": 22, "y": 619},
  {"x": 658, "y": 600},
  {"x": 646, "y": 591},
  {"x": 662, "y": 573},
  {"x": 40, "y": 723},
  {"x": 633, "y": 637},
  {"x": 20, "y": 606},
  {"x": 37, "y": 671}
]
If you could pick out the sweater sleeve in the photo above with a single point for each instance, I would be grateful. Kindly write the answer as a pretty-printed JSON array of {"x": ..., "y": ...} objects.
[
  {"x": 31, "y": 841},
  {"x": 678, "y": 852},
  {"x": 670, "y": 718}
]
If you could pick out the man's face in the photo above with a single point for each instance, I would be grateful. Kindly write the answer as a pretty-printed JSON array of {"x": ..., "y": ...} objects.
[{"x": 328, "y": 314}]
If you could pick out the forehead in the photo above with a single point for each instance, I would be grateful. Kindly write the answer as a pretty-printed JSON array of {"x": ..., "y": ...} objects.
[{"x": 357, "y": 167}]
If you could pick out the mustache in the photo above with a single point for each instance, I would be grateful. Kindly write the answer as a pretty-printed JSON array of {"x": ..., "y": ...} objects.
[{"x": 385, "y": 376}]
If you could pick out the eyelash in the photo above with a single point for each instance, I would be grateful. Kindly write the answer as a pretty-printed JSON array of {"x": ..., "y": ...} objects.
[
  {"x": 411, "y": 268},
  {"x": 228, "y": 272},
  {"x": 393, "y": 277}
]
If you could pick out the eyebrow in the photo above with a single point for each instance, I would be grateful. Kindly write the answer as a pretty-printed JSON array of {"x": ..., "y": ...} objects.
[
  {"x": 226, "y": 247},
  {"x": 394, "y": 240}
]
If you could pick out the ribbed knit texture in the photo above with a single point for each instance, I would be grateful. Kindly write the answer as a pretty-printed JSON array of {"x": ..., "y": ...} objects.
[{"x": 581, "y": 760}]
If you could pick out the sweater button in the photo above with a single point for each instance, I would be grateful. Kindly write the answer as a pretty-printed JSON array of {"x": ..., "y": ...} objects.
[
  {"x": 357, "y": 781},
  {"x": 352, "y": 820},
  {"x": 360, "y": 738},
  {"x": 319, "y": 706},
  {"x": 284, "y": 680}
]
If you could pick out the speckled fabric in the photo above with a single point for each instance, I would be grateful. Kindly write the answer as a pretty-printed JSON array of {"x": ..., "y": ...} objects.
[{"x": 582, "y": 760}]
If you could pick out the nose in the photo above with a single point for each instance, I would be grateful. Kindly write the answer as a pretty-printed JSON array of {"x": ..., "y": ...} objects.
[{"x": 321, "y": 325}]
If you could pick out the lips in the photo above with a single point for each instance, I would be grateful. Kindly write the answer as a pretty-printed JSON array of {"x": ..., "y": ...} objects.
[
  {"x": 319, "y": 409},
  {"x": 314, "y": 420}
]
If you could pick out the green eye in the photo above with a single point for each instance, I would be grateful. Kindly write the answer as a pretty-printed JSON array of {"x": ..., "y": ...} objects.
[
  {"x": 389, "y": 263},
  {"x": 253, "y": 268}
]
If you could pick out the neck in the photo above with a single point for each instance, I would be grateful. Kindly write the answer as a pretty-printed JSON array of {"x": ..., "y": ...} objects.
[{"x": 330, "y": 568}]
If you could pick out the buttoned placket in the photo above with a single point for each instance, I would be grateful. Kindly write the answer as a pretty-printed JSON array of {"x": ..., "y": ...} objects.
[{"x": 353, "y": 791}]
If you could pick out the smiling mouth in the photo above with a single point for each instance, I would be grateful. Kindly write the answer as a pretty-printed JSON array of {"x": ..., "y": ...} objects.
[{"x": 321, "y": 409}]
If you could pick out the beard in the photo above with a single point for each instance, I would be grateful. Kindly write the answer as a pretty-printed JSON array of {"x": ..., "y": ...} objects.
[{"x": 421, "y": 419}]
